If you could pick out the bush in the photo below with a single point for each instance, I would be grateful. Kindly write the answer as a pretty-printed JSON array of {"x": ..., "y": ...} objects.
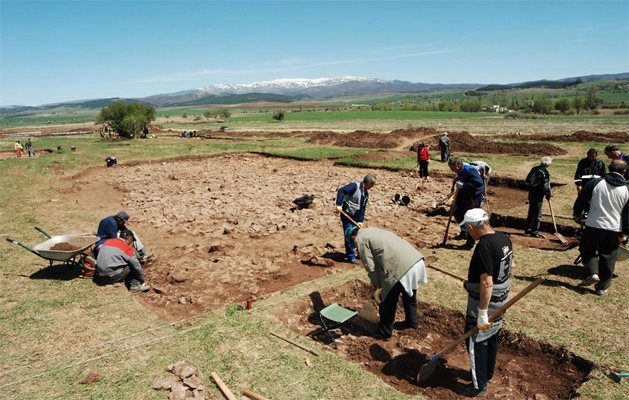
[
  {"x": 622, "y": 112},
  {"x": 279, "y": 115}
]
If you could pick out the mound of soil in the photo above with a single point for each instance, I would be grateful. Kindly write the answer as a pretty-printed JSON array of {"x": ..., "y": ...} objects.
[
  {"x": 464, "y": 142},
  {"x": 526, "y": 368},
  {"x": 365, "y": 139},
  {"x": 64, "y": 246},
  {"x": 583, "y": 136}
]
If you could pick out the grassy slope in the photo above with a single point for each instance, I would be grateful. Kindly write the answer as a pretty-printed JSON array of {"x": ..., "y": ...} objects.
[{"x": 52, "y": 327}]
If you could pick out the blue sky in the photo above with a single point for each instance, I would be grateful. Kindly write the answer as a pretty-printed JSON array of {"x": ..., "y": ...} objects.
[{"x": 67, "y": 50}]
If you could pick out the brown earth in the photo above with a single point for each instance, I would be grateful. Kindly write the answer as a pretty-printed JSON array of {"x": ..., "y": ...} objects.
[
  {"x": 64, "y": 246},
  {"x": 460, "y": 142},
  {"x": 221, "y": 234},
  {"x": 581, "y": 136},
  {"x": 525, "y": 368}
]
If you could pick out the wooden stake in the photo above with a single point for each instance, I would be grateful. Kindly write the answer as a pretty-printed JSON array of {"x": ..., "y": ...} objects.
[
  {"x": 224, "y": 389},
  {"x": 253, "y": 396},
  {"x": 294, "y": 343}
]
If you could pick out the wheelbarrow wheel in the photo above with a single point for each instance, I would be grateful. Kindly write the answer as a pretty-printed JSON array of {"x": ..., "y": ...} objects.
[{"x": 88, "y": 266}]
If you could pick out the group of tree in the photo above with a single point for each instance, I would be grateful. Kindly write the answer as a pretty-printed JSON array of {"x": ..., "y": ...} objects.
[{"x": 223, "y": 113}]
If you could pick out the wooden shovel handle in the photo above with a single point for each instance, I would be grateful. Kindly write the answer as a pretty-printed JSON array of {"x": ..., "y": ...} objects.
[
  {"x": 348, "y": 217},
  {"x": 453, "y": 345},
  {"x": 445, "y": 236},
  {"x": 552, "y": 214},
  {"x": 445, "y": 272}
]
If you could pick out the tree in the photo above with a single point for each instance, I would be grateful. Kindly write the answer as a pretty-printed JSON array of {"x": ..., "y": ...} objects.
[
  {"x": 279, "y": 115},
  {"x": 224, "y": 113},
  {"x": 542, "y": 105},
  {"x": 471, "y": 106},
  {"x": 563, "y": 105},
  {"x": 579, "y": 104},
  {"x": 591, "y": 101},
  {"x": 126, "y": 119}
]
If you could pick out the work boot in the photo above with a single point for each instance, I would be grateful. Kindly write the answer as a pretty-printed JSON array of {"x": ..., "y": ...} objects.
[
  {"x": 537, "y": 235},
  {"x": 143, "y": 287},
  {"x": 590, "y": 280},
  {"x": 601, "y": 292},
  {"x": 460, "y": 236},
  {"x": 471, "y": 391}
]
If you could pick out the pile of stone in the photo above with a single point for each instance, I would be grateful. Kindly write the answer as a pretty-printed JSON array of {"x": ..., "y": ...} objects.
[{"x": 185, "y": 383}]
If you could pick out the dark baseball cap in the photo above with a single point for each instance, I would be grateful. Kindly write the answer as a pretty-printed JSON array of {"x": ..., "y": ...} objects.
[
  {"x": 123, "y": 216},
  {"x": 611, "y": 147}
]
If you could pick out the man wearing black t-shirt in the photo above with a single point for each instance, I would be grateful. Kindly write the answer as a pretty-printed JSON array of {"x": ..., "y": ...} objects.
[{"x": 488, "y": 286}]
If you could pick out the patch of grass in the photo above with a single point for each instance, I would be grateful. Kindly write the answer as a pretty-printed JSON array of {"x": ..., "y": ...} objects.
[{"x": 316, "y": 152}]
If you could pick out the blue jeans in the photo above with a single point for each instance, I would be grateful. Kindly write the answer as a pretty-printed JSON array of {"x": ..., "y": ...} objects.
[{"x": 349, "y": 249}]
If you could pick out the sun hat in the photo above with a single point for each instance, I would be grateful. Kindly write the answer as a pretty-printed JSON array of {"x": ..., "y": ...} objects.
[{"x": 474, "y": 215}]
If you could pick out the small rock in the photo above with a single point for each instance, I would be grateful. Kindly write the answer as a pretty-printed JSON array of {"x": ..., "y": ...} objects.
[
  {"x": 214, "y": 248},
  {"x": 163, "y": 383},
  {"x": 177, "y": 392},
  {"x": 159, "y": 290},
  {"x": 321, "y": 262},
  {"x": 182, "y": 300},
  {"x": 91, "y": 377},
  {"x": 193, "y": 382}
]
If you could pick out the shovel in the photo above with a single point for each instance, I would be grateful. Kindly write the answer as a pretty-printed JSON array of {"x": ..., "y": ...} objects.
[
  {"x": 445, "y": 236},
  {"x": 349, "y": 218},
  {"x": 557, "y": 234},
  {"x": 426, "y": 371}
]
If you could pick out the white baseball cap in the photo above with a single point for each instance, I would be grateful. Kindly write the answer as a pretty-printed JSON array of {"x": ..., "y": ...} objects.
[{"x": 474, "y": 215}]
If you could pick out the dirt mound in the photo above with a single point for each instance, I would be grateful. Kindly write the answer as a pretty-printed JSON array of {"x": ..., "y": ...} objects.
[
  {"x": 367, "y": 139},
  {"x": 464, "y": 142},
  {"x": 582, "y": 136},
  {"x": 460, "y": 142},
  {"x": 526, "y": 368}
]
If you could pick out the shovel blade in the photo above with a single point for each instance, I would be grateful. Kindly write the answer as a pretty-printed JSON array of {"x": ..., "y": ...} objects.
[
  {"x": 369, "y": 313},
  {"x": 426, "y": 371}
]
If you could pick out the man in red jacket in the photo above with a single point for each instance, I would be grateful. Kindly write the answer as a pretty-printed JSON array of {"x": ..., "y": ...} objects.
[
  {"x": 423, "y": 157},
  {"x": 117, "y": 261}
]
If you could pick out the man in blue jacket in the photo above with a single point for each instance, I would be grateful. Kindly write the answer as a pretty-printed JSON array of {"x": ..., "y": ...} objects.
[
  {"x": 352, "y": 200},
  {"x": 470, "y": 187},
  {"x": 109, "y": 227}
]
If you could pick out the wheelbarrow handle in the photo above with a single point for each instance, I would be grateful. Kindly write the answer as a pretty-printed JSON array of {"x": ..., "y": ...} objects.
[
  {"x": 43, "y": 232},
  {"x": 21, "y": 245}
]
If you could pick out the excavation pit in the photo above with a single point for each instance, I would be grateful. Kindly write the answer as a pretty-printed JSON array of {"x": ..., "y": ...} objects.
[{"x": 526, "y": 367}]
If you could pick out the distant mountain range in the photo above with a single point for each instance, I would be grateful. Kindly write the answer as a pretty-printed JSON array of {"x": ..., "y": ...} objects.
[{"x": 289, "y": 90}]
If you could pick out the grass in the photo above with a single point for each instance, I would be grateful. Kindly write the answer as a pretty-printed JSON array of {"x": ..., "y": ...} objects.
[{"x": 56, "y": 331}]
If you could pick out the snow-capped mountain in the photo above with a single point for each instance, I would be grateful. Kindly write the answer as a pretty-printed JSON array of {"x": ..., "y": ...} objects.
[{"x": 303, "y": 88}]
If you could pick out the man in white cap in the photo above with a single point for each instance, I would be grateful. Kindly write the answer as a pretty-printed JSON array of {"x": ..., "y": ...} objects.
[
  {"x": 488, "y": 287},
  {"x": 444, "y": 146}
]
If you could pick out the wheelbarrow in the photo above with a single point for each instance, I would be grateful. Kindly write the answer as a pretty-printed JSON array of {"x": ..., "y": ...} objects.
[{"x": 68, "y": 249}]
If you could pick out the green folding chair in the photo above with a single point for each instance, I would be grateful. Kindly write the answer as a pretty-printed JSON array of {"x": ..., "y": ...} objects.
[{"x": 332, "y": 317}]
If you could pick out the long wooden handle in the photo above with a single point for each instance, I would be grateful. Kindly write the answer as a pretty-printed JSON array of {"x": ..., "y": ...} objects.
[
  {"x": 446, "y": 273},
  {"x": 552, "y": 214},
  {"x": 294, "y": 343},
  {"x": 226, "y": 392},
  {"x": 348, "y": 217},
  {"x": 445, "y": 236},
  {"x": 453, "y": 345},
  {"x": 253, "y": 395}
]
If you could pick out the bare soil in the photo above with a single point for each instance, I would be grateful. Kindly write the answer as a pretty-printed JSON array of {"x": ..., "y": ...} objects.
[
  {"x": 64, "y": 246},
  {"x": 581, "y": 136},
  {"x": 224, "y": 229},
  {"x": 459, "y": 142},
  {"x": 525, "y": 368}
]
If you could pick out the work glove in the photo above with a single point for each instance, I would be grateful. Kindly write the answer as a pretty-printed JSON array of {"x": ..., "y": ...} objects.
[
  {"x": 339, "y": 209},
  {"x": 458, "y": 185},
  {"x": 377, "y": 296},
  {"x": 482, "y": 321}
]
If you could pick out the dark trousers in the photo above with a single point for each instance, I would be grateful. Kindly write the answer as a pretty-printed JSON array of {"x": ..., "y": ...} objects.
[
  {"x": 445, "y": 153},
  {"x": 423, "y": 168},
  {"x": 534, "y": 216},
  {"x": 482, "y": 357},
  {"x": 349, "y": 249},
  {"x": 130, "y": 276},
  {"x": 462, "y": 205},
  {"x": 605, "y": 243},
  {"x": 389, "y": 305}
]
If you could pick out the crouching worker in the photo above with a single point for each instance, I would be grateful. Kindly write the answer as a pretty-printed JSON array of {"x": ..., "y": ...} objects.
[
  {"x": 488, "y": 287},
  {"x": 395, "y": 269},
  {"x": 117, "y": 262}
]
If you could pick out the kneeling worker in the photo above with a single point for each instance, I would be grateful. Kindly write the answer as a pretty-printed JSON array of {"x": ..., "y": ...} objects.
[
  {"x": 395, "y": 268},
  {"x": 117, "y": 261},
  {"x": 488, "y": 284}
]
